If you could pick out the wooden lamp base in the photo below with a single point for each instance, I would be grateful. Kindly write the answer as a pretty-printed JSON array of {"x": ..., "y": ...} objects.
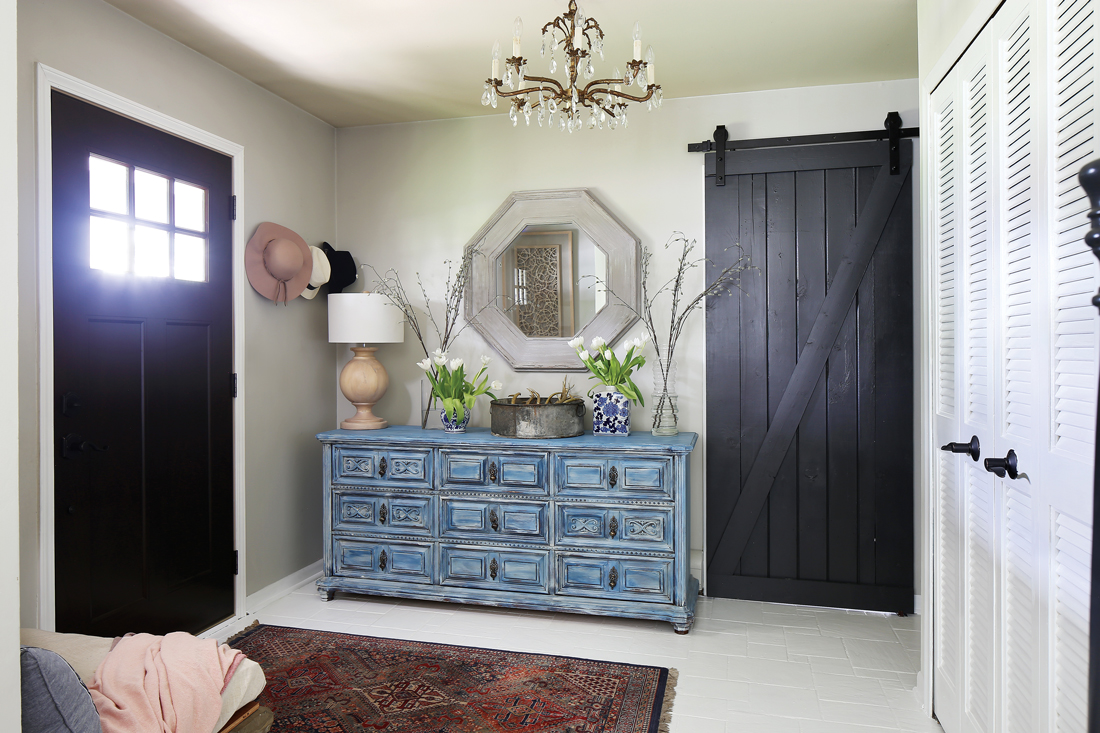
[{"x": 364, "y": 382}]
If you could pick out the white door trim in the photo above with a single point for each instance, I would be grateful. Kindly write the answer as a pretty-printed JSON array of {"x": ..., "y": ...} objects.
[
  {"x": 926, "y": 359},
  {"x": 49, "y": 79}
]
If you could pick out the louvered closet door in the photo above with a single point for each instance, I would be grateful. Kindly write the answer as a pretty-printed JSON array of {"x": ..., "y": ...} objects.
[
  {"x": 947, "y": 189},
  {"x": 1016, "y": 366},
  {"x": 1069, "y": 353}
]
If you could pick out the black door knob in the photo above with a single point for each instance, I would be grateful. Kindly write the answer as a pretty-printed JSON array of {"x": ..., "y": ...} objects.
[
  {"x": 974, "y": 448},
  {"x": 1007, "y": 465}
]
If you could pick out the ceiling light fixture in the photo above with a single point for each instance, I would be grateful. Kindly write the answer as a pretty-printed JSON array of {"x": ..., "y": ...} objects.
[{"x": 550, "y": 99}]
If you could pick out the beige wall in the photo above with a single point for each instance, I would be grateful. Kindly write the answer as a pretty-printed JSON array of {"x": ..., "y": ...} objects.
[
  {"x": 9, "y": 394},
  {"x": 289, "y": 178},
  {"x": 411, "y": 195},
  {"x": 939, "y": 25}
]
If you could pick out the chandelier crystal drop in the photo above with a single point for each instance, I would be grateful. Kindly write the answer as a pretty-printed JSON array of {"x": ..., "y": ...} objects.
[{"x": 578, "y": 37}]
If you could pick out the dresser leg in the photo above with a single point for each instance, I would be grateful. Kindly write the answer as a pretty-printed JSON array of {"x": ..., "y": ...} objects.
[
  {"x": 326, "y": 595},
  {"x": 684, "y": 627}
]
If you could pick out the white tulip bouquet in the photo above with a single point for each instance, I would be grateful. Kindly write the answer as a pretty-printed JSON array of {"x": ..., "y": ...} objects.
[
  {"x": 609, "y": 369},
  {"x": 450, "y": 385}
]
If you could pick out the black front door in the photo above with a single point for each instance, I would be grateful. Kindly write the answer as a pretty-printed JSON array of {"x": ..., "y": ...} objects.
[
  {"x": 810, "y": 379},
  {"x": 143, "y": 439}
]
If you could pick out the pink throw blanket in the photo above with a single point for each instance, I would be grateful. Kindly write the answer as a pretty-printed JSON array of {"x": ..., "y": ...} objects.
[{"x": 162, "y": 684}]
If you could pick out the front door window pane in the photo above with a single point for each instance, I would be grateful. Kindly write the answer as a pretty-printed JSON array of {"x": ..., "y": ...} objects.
[
  {"x": 150, "y": 197},
  {"x": 109, "y": 185},
  {"x": 147, "y": 242},
  {"x": 190, "y": 260},
  {"x": 110, "y": 244},
  {"x": 150, "y": 252},
  {"x": 190, "y": 207}
]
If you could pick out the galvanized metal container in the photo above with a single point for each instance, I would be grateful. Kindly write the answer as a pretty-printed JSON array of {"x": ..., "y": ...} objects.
[{"x": 541, "y": 420}]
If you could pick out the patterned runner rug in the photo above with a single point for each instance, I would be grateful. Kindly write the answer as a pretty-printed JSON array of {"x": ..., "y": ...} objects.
[{"x": 321, "y": 681}]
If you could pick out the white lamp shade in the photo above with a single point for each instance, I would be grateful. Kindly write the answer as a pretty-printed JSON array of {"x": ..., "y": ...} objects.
[{"x": 364, "y": 318}]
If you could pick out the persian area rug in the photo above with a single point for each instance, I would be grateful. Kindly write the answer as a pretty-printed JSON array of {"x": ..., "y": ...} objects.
[{"x": 336, "y": 683}]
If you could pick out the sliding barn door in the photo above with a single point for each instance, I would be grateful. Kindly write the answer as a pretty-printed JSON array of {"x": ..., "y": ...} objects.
[
  {"x": 810, "y": 378},
  {"x": 1015, "y": 342}
]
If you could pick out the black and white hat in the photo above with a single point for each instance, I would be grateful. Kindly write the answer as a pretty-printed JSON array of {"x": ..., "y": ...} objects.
[{"x": 322, "y": 271}]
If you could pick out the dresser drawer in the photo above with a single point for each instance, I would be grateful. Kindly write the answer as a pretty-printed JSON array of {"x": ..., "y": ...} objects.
[
  {"x": 610, "y": 577},
  {"x": 497, "y": 569},
  {"x": 395, "y": 468},
  {"x": 408, "y": 562},
  {"x": 592, "y": 476},
  {"x": 493, "y": 520},
  {"x": 355, "y": 511},
  {"x": 521, "y": 473},
  {"x": 592, "y": 525}
]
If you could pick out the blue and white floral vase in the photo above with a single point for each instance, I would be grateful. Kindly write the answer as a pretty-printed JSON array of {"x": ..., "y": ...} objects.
[
  {"x": 454, "y": 425},
  {"x": 610, "y": 413}
]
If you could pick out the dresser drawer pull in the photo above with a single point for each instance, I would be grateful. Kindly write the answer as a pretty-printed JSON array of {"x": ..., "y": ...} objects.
[
  {"x": 493, "y": 472},
  {"x": 382, "y": 562},
  {"x": 494, "y": 522},
  {"x": 382, "y": 468},
  {"x": 493, "y": 567},
  {"x": 613, "y": 527},
  {"x": 613, "y": 578},
  {"x": 613, "y": 477},
  {"x": 382, "y": 514}
]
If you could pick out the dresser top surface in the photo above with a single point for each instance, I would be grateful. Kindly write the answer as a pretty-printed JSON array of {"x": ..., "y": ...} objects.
[{"x": 413, "y": 435}]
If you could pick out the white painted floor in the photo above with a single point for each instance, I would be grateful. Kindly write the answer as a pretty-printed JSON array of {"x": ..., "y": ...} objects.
[{"x": 745, "y": 667}]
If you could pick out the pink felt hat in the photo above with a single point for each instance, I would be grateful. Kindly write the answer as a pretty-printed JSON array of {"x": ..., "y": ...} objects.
[{"x": 278, "y": 262}]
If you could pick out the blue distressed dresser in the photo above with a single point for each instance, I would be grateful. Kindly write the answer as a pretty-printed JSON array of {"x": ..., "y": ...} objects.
[{"x": 585, "y": 525}]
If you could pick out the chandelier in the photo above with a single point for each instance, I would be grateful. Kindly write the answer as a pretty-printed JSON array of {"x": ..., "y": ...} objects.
[{"x": 563, "y": 105}]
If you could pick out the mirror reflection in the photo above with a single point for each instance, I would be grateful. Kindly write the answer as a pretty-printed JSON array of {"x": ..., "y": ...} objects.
[{"x": 550, "y": 280}]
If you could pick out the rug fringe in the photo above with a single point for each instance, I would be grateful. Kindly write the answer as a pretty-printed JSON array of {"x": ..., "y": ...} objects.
[
  {"x": 244, "y": 631},
  {"x": 670, "y": 697}
]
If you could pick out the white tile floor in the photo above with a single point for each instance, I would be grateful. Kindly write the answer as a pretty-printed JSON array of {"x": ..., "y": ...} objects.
[{"x": 745, "y": 667}]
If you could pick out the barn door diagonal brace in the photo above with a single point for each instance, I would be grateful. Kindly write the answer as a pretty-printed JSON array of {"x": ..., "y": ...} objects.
[
  {"x": 720, "y": 145},
  {"x": 826, "y": 328}
]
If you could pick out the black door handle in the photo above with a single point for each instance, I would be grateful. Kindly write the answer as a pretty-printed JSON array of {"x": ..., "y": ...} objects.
[
  {"x": 1007, "y": 465},
  {"x": 974, "y": 448},
  {"x": 73, "y": 445}
]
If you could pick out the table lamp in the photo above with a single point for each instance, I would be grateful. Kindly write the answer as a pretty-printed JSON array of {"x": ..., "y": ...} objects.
[{"x": 364, "y": 318}]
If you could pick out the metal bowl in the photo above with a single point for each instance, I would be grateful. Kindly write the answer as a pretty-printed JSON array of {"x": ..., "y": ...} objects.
[{"x": 543, "y": 419}]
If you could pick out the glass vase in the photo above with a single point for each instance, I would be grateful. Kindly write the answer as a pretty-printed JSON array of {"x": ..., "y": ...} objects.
[
  {"x": 429, "y": 407},
  {"x": 665, "y": 412}
]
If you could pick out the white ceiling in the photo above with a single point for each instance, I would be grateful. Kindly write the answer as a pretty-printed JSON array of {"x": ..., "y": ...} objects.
[{"x": 365, "y": 62}]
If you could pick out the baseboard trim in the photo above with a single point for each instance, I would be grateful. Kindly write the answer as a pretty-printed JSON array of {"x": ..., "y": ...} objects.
[
  {"x": 916, "y": 604},
  {"x": 280, "y": 588}
]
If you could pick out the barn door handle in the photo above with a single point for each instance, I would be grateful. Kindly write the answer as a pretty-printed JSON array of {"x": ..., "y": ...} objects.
[
  {"x": 613, "y": 477},
  {"x": 382, "y": 468},
  {"x": 72, "y": 445},
  {"x": 974, "y": 448},
  {"x": 1007, "y": 465},
  {"x": 493, "y": 472},
  {"x": 494, "y": 522}
]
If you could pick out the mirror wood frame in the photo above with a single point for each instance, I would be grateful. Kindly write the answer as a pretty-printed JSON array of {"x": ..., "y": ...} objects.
[{"x": 535, "y": 208}]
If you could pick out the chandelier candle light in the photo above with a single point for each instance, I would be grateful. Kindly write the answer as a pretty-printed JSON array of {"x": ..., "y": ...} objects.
[{"x": 564, "y": 105}]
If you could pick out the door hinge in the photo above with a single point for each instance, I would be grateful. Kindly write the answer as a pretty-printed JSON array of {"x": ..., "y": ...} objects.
[
  {"x": 236, "y": 559},
  {"x": 234, "y": 384},
  {"x": 233, "y": 208}
]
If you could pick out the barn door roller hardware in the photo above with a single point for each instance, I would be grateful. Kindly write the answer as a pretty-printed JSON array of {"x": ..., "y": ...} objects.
[{"x": 720, "y": 145}]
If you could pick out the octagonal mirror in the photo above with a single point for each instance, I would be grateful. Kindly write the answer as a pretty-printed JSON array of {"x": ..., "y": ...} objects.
[{"x": 551, "y": 265}]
